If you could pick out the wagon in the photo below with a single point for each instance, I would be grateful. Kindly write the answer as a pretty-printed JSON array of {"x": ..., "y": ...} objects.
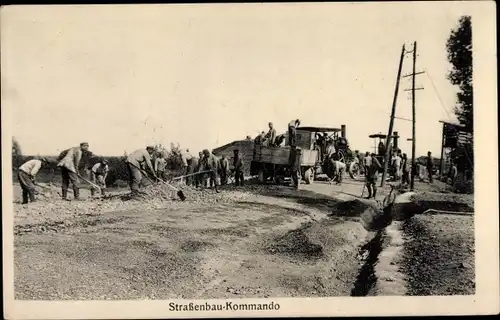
[{"x": 272, "y": 162}]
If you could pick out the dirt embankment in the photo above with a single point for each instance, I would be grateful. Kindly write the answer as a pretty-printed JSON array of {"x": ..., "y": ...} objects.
[{"x": 439, "y": 255}]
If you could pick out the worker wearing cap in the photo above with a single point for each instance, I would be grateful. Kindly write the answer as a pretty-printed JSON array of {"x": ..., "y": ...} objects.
[
  {"x": 69, "y": 162},
  {"x": 26, "y": 175},
  {"x": 98, "y": 173},
  {"x": 238, "y": 168},
  {"x": 292, "y": 130},
  {"x": 134, "y": 161},
  {"x": 210, "y": 164}
]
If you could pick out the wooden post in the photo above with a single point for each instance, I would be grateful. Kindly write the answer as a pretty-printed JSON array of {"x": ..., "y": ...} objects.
[
  {"x": 413, "y": 142},
  {"x": 391, "y": 123}
]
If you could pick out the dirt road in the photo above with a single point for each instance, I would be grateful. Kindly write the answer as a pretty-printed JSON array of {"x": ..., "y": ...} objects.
[{"x": 259, "y": 242}]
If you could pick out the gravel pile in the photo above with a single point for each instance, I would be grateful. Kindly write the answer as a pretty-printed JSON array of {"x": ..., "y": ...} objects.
[{"x": 295, "y": 243}]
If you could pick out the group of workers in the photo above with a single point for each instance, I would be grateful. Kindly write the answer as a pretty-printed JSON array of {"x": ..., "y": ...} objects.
[{"x": 140, "y": 163}]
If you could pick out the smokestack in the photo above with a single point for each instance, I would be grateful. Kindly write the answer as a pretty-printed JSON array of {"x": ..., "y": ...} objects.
[
  {"x": 395, "y": 139},
  {"x": 342, "y": 131}
]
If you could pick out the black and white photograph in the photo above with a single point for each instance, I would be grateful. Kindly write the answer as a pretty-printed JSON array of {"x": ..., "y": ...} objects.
[{"x": 241, "y": 160}]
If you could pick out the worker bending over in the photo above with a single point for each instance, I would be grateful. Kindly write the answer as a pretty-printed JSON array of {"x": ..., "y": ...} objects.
[
  {"x": 99, "y": 172},
  {"x": 69, "y": 162},
  {"x": 339, "y": 169},
  {"x": 134, "y": 161},
  {"x": 26, "y": 175}
]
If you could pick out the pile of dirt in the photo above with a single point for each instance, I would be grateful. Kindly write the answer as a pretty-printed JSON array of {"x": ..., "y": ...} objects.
[
  {"x": 164, "y": 192},
  {"x": 295, "y": 243}
]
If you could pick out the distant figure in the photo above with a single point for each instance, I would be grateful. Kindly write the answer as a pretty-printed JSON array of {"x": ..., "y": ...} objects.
[
  {"x": 372, "y": 176},
  {"x": 396, "y": 165},
  {"x": 69, "y": 162},
  {"x": 259, "y": 140},
  {"x": 160, "y": 165},
  {"x": 26, "y": 175},
  {"x": 186, "y": 158},
  {"x": 295, "y": 165},
  {"x": 210, "y": 164},
  {"x": 339, "y": 169},
  {"x": 453, "y": 173},
  {"x": 367, "y": 162},
  {"x": 98, "y": 175},
  {"x": 381, "y": 148},
  {"x": 223, "y": 169},
  {"x": 238, "y": 168},
  {"x": 135, "y": 161},
  {"x": 292, "y": 132},
  {"x": 405, "y": 178},
  {"x": 279, "y": 140},
  {"x": 429, "y": 164},
  {"x": 271, "y": 135}
]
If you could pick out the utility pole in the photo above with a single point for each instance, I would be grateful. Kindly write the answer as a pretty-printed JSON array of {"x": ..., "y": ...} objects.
[
  {"x": 391, "y": 123},
  {"x": 413, "y": 160}
]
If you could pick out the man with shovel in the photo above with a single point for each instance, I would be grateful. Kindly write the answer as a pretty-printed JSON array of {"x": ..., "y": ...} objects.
[
  {"x": 26, "y": 176},
  {"x": 69, "y": 162},
  {"x": 134, "y": 162}
]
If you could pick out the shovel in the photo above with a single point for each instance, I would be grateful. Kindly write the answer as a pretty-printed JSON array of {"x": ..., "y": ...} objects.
[{"x": 180, "y": 194}]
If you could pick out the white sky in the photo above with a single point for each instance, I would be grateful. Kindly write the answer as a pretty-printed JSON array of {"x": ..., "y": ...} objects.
[{"x": 124, "y": 76}]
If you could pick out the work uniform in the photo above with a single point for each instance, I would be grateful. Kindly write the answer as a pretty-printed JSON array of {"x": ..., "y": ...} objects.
[
  {"x": 186, "y": 158},
  {"x": 429, "y": 166},
  {"x": 338, "y": 170},
  {"x": 373, "y": 166},
  {"x": 26, "y": 176},
  {"x": 69, "y": 161},
  {"x": 271, "y": 137},
  {"x": 396, "y": 162},
  {"x": 192, "y": 168},
  {"x": 210, "y": 164},
  {"x": 406, "y": 172},
  {"x": 99, "y": 172},
  {"x": 134, "y": 161},
  {"x": 294, "y": 162},
  {"x": 238, "y": 169},
  {"x": 160, "y": 165},
  {"x": 223, "y": 170},
  {"x": 292, "y": 132}
]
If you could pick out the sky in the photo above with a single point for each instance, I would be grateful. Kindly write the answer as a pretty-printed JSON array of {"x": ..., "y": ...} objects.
[{"x": 124, "y": 77}]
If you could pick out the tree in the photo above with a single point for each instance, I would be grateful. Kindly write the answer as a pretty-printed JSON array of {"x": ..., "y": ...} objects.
[
  {"x": 459, "y": 47},
  {"x": 16, "y": 148}
]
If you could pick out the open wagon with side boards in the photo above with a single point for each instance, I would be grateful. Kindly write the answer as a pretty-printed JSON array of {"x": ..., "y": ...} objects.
[{"x": 272, "y": 162}]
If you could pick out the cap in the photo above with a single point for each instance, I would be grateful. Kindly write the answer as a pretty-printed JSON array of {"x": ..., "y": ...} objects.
[
  {"x": 104, "y": 161},
  {"x": 84, "y": 144},
  {"x": 205, "y": 151},
  {"x": 236, "y": 150}
]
